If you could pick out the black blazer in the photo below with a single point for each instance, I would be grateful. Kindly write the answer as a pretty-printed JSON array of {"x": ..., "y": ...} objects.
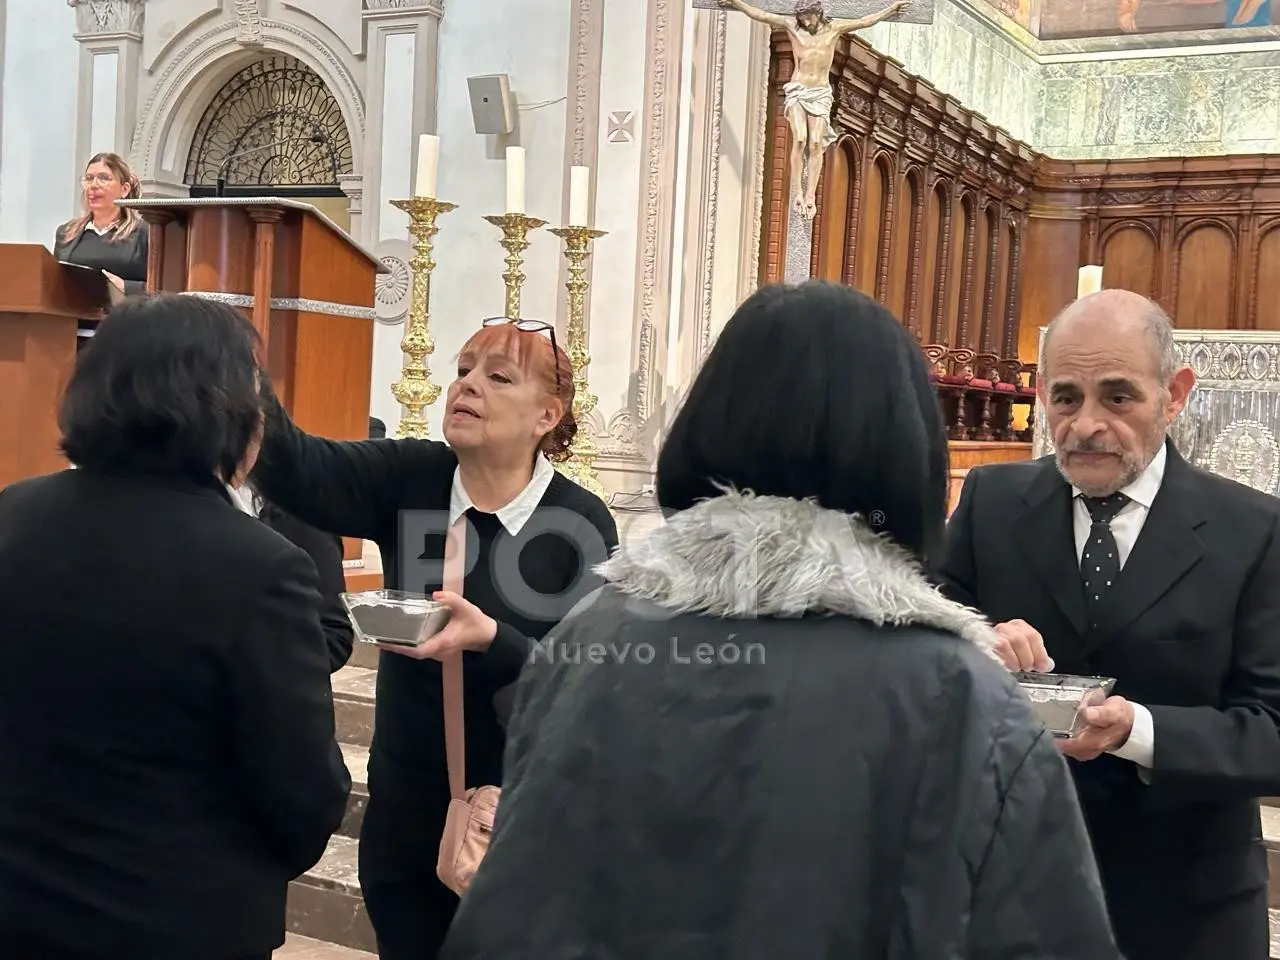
[
  {"x": 127, "y": 258},
  {"x": 325, "y": 551},
  {"x": 166, "y": 722},
  {"x": 1192, "y": 632}
]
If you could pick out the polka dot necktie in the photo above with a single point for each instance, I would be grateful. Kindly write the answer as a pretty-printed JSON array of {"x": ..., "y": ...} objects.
[{"x": 1100, "y": 562}]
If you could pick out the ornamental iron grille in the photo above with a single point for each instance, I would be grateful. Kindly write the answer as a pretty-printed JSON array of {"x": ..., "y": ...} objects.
[{"x": 274, "y": 124}]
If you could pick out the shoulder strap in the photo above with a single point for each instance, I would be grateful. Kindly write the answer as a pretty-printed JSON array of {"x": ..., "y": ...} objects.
[{"x": 455, "y": 737}]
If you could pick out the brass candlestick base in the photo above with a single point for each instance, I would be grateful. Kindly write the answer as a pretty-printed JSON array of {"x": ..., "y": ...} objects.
[
  {"x": 515, "y": 240},
  {"x": 414, "y": 390},
  {"x": 581, "y": 465}
]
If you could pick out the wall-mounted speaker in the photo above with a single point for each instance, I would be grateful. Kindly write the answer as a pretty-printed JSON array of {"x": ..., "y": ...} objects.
[{"x": 492, "y": 108}]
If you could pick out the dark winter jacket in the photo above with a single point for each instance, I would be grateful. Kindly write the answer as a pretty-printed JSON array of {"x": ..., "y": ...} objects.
[{"x": 769, "y": 737}]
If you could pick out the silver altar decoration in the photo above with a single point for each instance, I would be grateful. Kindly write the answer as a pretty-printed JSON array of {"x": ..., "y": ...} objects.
[{"x": 1231, "y": 421}]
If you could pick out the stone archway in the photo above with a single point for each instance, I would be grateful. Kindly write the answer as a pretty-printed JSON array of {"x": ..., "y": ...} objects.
[
  {"x": 191, "y": 76},
  {"x": 274, "y": 124}
]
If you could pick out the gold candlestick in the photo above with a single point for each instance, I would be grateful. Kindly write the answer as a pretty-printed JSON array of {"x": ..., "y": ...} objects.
[
  {"x": 414, "y": 390},
  {"x": 581, "y": 465},
  {"x": 515, "y": 240}
]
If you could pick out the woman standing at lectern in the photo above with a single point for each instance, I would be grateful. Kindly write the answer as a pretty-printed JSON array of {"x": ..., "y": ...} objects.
[{"x": 105, "y": 237}]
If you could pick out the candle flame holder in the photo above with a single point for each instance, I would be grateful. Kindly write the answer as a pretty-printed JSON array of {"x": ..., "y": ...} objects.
[
  {"x": 414, "y": 390},
  {"x": 515, "y": 240},
  {"x": 580, "y": 467}
]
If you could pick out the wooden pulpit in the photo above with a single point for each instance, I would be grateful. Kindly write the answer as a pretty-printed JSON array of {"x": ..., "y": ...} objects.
[
  {"x": 41, "y": 302},
  {"x": 306, "y": 284}
]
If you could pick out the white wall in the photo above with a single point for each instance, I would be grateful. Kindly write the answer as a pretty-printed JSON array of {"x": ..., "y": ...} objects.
[
  {"x": 38, "y": 166},
  {"x": 533, "y": 49}
]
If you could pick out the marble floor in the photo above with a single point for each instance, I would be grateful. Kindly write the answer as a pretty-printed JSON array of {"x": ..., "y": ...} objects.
[{"x": 303, "y": 948}]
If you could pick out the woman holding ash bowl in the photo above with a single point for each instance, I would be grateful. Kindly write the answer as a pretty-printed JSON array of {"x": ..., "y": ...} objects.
[
  {"x": 532, "y": 539},
  {"x": 809, "y": 752}
]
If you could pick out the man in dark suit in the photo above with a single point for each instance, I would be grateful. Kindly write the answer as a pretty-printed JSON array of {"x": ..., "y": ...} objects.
[{"x": 1115, "y": 557}]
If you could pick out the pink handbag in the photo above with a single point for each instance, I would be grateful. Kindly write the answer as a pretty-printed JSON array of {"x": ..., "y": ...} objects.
[{"x": 468, "y": 827}]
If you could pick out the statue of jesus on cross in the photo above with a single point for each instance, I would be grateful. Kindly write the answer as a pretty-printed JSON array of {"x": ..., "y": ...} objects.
[{"x": 809, "y": 96}]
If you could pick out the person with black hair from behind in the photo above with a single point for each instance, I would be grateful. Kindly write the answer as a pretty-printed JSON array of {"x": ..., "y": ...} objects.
[
  {"x": 168, "y": 739},
  {"x": 795, "y": 747}
]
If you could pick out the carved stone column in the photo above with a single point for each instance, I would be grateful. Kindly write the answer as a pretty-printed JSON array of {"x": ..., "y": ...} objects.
[
  {"x": 352, "y": 185},
  {"x": 403, "y": 39},
  {"x": 110, "y": 35}
]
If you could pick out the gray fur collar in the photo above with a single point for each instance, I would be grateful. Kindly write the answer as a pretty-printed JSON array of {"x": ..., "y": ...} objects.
[{"x": 806, "y": 559}]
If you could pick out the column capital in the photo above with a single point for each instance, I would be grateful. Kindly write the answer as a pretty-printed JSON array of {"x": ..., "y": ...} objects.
[
  {"x": 97, "y": 18},
  {"x": 389, "y": 8}
]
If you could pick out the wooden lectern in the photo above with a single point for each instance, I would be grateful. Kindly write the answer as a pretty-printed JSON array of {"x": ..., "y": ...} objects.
[
  {"x": 305, "y": 283},
  {"x": 41, "y": 302}
]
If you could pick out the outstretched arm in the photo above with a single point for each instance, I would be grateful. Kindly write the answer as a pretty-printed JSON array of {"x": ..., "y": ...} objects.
[
  {"x": 850, "y": 26},
  {"x": 755, "y": 13}
]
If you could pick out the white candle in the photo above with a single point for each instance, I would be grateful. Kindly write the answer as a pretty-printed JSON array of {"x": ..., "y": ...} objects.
[
  {"x": 1090, "y": 281},
  {"x": 428, "y": 166},
  {"x": 579, "y": 178},
  {"x": 515, "y": 180}
]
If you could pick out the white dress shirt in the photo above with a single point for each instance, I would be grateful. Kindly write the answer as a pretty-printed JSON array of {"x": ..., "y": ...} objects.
[
  {"x": 1125, "y": 527},
  {"x": 515, "y": 514}
]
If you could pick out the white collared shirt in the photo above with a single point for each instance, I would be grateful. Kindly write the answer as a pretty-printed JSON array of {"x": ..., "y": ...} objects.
[
  {"x": 101, "y": 231},
  {"x": 515, "y": 514},
  {"x": 1125, "y": 527}
]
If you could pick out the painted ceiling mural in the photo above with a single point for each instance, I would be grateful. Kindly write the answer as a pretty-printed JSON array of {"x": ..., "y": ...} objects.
[{"x": 1078, "y": 19}]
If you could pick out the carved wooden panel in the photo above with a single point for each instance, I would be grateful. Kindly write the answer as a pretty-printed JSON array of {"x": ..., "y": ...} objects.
[{"x": 975, "y": 241}]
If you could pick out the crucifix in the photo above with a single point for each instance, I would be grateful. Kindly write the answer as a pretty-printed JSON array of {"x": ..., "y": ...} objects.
[{"x": 814, "y": 28}]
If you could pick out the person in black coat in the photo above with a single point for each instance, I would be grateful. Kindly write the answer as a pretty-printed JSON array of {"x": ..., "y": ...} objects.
[
  {"x": 768, "y": 735},
  {"x": 168, "y": 739},
  {"x": 532, "y": 539},
  {"x": 1117, "y": 558},
  {"x": 325, "y": 551}
]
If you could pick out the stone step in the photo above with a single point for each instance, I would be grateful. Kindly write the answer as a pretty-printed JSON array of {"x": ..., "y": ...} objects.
[
  {"x": 357, "y": 761},
  {"x": 353, "y": 697},
  {"x": 1275, "y": 934},
  {"x": 325, "y": 902},
  {"x": 1271, "y": 837},
  {"x": 304, "y": 948},
  {"x": 365, "y": 655}
]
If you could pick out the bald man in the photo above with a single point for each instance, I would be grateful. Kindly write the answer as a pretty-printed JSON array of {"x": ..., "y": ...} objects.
[{"x": 1115, "y": 557}]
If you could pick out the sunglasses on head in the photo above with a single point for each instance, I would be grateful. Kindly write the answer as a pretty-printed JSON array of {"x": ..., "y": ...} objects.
[{"x": 531, "y": 326}]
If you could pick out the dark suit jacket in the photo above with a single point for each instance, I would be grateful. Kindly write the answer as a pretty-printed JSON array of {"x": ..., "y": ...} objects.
[
  {"x": 325, "y": 551},
  {"x": 1192, "y": 632},
  {"x": 166, "y": 722}
]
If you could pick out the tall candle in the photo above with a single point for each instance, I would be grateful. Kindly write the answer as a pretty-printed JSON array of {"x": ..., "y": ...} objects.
[
  {"x": 1090, "y": 281},
  {"x": 578, "y": 183},
  {"x": 428, "y": 166},
  {"x": 515, "y": 180}
]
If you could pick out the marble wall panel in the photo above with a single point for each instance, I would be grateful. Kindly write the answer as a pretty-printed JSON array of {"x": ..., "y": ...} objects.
[
  {"x": 1160, "y": 106},
  {"x": 966, "y": 56}
]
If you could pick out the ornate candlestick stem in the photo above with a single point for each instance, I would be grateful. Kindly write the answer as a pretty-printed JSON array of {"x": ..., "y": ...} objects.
[
  {"x": 414, "y": 390},
  {"x": 581, "y": 465},
  {"x": 515, "y": 240}
]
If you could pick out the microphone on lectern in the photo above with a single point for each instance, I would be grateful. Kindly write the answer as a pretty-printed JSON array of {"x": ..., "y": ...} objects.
[{"x": 262, "y": 148}]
